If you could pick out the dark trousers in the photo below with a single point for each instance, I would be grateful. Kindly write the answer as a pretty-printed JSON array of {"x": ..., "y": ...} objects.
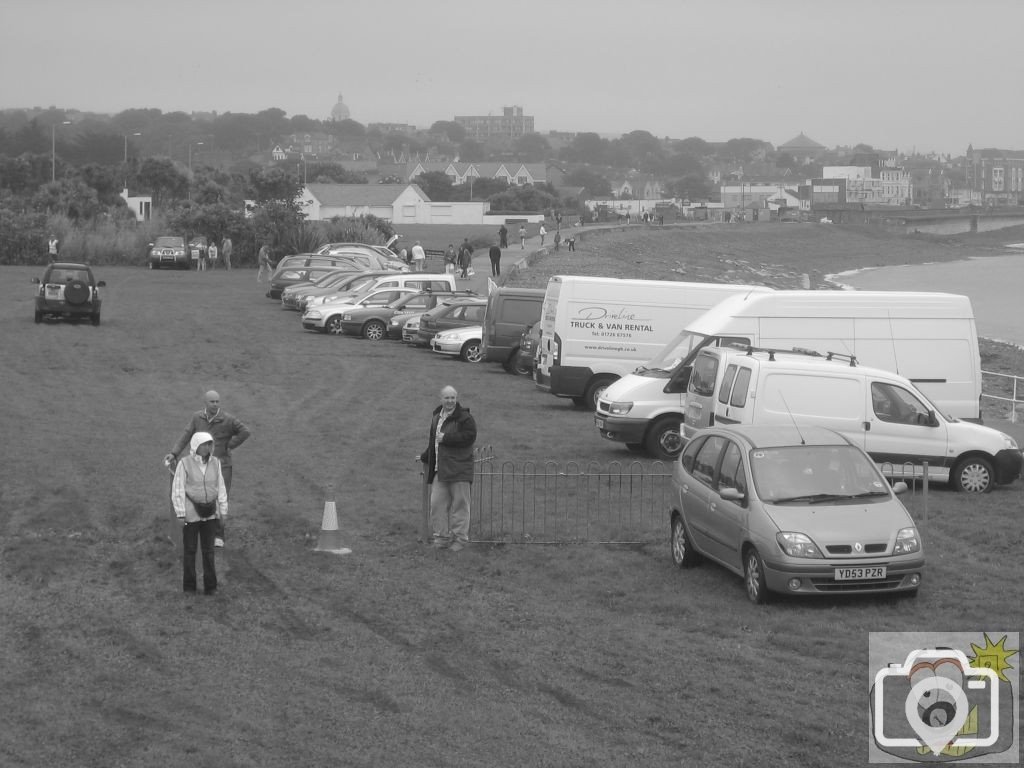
[
  {"x": 504, "y": 241},
  {"x": 193, "y": 535},
  {"x": 495, "y": 266}
]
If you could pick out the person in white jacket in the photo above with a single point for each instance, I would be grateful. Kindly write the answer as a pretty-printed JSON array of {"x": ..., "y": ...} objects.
[{"x": 200, "y": 498}]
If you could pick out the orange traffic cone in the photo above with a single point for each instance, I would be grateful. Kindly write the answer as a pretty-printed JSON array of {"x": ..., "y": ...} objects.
[{"x": 330, "y": 536}]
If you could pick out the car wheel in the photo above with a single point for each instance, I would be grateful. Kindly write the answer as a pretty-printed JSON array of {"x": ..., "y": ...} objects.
[
  {"x": 471, "y": 352},
  {"x": 96, "y": 318},
  {"x": 39, "y": 316},
  {"x": 333, "y": 325},
  {"x": 519, "y": 366},
  {"x": 374, "y": 330},
  {"x": 753, "y": 577},
  {"x": 973, "y": 475},
  {"x": 76, "y": 292},
  {"x": 663, "y": 439},
  {"x": 595, "y": 390},
  {"x": 683, "y": 554}
]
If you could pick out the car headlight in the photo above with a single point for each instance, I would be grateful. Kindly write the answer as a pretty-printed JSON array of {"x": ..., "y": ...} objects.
[
  {"x": 619, "y": 409},
  {"x": 907, "y": 542},
  {"x": 797, "y": 544},
  {"x": 312, "y": 316},
  {"x": 1010, "y": 442}
]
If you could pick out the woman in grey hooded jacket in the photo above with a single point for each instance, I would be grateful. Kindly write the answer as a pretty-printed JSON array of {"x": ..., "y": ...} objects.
[{"x": 200, "y": 498}]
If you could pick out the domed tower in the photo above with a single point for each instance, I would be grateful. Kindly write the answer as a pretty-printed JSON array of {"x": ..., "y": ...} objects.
[{"x": 340, "y": 111}]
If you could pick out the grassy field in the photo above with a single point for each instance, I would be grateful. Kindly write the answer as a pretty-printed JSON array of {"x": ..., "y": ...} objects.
[{"x": 397, "y": 655}]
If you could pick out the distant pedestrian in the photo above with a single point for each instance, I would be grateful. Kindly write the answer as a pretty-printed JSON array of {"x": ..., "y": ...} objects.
[
  {"x": 419, "y": 258},
  {"x": 503, "y": 236},
  {"x": 558, "y": 239},
  {"x": 542, "y": 232},
  {"x": 52, "y": 247},
  {"x": 265, "y": 265},
  {"x": 522, "y": 236},
  {"x": 465, "y": 258},
  {"x": 495, "y": 255},
  {"x": 212, "y": 255},
  {"x": 226, "y": 250},
  {"x": 404, "y": 256},
  {"x": 571, "y": 242},
  {"x": 203, "y": 256},
  {"x": 450, "y": 260}
]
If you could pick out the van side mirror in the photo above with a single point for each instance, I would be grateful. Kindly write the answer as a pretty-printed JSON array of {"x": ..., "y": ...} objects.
[{"x": 900, "y": 487}]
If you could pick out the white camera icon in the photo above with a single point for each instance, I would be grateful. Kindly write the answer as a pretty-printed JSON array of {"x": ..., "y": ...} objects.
[{"x": 936, "y": 706}]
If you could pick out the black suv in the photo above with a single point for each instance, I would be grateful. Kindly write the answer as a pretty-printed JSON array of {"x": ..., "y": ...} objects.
[{"x": 68, "y": 290}]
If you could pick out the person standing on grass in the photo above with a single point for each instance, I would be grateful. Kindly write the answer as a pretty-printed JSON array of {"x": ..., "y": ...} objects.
[
  {"x": 449, "y": 460},
  {"x": 51, "y": 248},
  {"x": 495, "y": 256},
  {"x": 200, "y": 500},
  {"x": 571, "y": 242},
  {"x": 558, "y": 239},
  {"x": 212, "y": 254},
  {"x": 228, "y": 433},
  {"x": 450, "y": 260},
  {"x": 522, "y": 236},
  {"x": 226, "y": 248},
  {"x": 465, "y": 258},
  {"x": 542, "y": 232},
  {"x": 265, "y": 266},
  {"x": 503, "y": 236},
  {"x": 419, "y": 258}
]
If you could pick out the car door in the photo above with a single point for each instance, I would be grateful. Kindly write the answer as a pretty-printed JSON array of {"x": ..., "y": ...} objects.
[
  {"x": 700, "y": 461},
  {"x": 901, "y": 428},
  {"x": 726, "y": 519}
]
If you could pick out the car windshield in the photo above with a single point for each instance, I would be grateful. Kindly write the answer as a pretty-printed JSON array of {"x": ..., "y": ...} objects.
[
  {"x": 811, "y": 473},
  {"x": 68, "y": 275}
]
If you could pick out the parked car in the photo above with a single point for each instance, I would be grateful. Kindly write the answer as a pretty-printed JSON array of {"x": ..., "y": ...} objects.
[
  {"x": 464, "y": 342},
  {"x": 801, "y": 511},
  {"x": 282, "y": 278},
  {"x": 327, "y": 318},
  {"x": 455, "y": 313},
  {"x": 376, "y": 257},
  {"x": 373, "y": 322},
  {"x": 410, "y": 327},
  {"x": 420, "y": 281},
  {"x": 168, "y": 251},
  {"x": 70, "y": 291},
  {"x": 297, "y": 296}
]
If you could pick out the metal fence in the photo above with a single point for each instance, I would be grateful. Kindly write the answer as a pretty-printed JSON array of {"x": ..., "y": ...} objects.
[
  {"x": 550, "y": 502},
  {"x": 1005, "y": 388}
]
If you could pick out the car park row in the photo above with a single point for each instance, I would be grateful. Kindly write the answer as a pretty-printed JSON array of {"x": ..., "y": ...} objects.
[{"x": 768, "y": 482}]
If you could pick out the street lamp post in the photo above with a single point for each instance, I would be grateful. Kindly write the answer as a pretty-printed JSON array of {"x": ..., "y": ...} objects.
[{"x": 53, "y": 149}]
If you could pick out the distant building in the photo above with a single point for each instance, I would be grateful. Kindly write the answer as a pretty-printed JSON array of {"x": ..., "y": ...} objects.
[
  {"x": 140, "y": 205},
  {"x": 339, "y": 111},
  {"x": 803, "y": 149},
  {"x": 996, "y": 176},
  {"x": 403, "y": 128},
  {"x": 510, "y": 124}
]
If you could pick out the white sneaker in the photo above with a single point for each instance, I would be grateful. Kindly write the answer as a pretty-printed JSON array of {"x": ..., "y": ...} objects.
[{"x": 218, "y": 542}]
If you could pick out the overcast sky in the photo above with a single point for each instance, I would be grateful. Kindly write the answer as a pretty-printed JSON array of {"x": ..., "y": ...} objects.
[{"x": 896, "y": 74}]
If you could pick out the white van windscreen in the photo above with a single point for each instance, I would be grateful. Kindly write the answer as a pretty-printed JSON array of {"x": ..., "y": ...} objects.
[{"x": 681, "y": 348}]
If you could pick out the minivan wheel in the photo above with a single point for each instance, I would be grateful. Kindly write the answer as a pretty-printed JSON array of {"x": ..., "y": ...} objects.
[
  {"x": 374, "y": 330},
  {"x": 663, "y": 439},
  {"x": 683, "y": 554},
  {"x": 518, "y": 366},
  {"x": 753, "y": 577},
  {"x": 973, "y": 475}
]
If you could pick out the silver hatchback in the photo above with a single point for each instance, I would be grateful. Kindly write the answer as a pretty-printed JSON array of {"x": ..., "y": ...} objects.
[{"x": 799, "y": 511}]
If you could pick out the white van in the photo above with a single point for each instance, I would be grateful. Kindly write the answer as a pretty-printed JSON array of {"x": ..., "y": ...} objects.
[
  {"x": 597, "y": 329},
  {"x": 880, "y": 411},
  {"x": 930, "y": 338}
]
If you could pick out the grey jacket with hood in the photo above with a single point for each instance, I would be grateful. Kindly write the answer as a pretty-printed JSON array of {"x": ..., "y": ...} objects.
[{"x": 198, "y": 480}]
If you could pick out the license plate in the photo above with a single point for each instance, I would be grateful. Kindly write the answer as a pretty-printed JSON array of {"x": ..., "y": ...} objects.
[
  {"x": 54, "y": 291},
  {"x": 864, "y": 572},
  {"x": 599, "y": 422}
]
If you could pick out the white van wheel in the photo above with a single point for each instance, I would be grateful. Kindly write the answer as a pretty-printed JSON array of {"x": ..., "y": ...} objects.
[
  {"x": 663, "y": 439},
  {"x": 973, "y": 475},
  {"x": 594, "y": 391}
]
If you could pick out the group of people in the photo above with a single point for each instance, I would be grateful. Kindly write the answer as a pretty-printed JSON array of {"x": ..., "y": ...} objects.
[
  {"x": 201, "y": 482},
  {"x": 208, "y": 256},
  {"x": 459, "y": 263}
]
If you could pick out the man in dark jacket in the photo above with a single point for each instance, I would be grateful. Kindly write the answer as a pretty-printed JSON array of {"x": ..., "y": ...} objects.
[
  {"x": 228, "y": 433},
  {"x": 495, "y": 255},
  {"x": 449, "y": 460}
]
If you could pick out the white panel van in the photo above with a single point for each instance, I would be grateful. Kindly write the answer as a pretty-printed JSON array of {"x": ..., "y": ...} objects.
[
  {"x": 882, "y": 412},
  {"x": 596, "y": 329},
  {"x": 930, "y": 338}
]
